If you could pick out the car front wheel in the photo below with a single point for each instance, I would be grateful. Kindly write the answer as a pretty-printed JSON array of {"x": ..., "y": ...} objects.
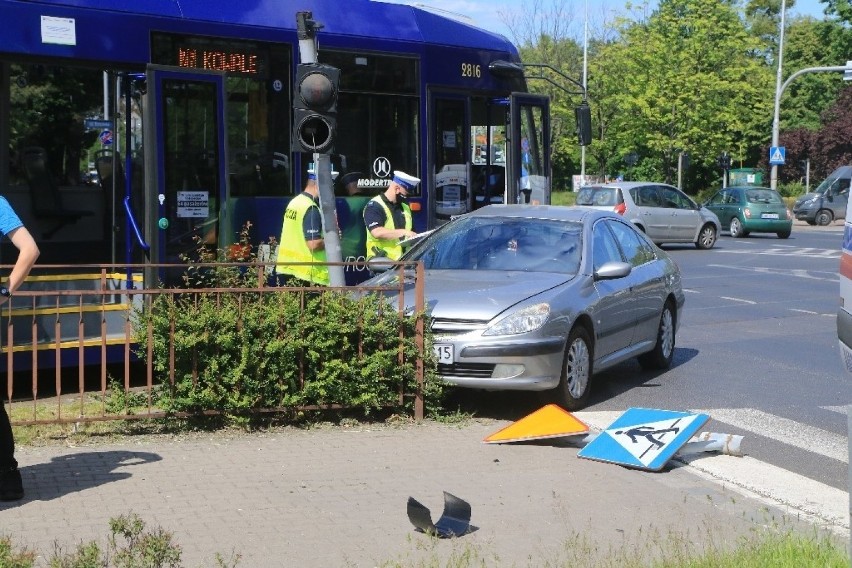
[
  {"x": 660, "y": 357},
  {"x": 573, "y": 390},
  {"x": 823, "y": 217},
  {"x": 706, "y": 237}
]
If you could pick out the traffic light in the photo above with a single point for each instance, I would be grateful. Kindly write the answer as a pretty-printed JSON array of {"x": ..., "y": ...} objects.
[
  {"x": 583, "y": 114},
  {"x": 315, "y": 107},
  {"x": 724, "y": 161}
]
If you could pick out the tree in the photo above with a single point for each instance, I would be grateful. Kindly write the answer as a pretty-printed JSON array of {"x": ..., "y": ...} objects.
[{"x": 689, "y": 79}]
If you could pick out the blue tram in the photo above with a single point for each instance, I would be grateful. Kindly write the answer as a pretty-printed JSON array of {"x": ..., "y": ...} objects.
[
  {"x": 190, "y": 103},
  {"x": 131, "y": 131}
]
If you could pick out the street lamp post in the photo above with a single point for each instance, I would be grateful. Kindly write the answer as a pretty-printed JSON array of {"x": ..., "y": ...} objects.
[{"x": 773, "y": 176}]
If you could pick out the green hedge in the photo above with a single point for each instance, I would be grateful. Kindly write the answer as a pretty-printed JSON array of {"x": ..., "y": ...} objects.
[{"x": 247, "y": 349}]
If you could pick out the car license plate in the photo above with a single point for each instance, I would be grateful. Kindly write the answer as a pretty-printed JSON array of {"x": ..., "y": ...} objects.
[
  {"x": 769, "y": 216},
  {"x": 444, "y": 353}
]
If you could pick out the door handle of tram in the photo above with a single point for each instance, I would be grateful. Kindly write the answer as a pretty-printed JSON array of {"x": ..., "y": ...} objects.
[{"x": 137, "y": 233}]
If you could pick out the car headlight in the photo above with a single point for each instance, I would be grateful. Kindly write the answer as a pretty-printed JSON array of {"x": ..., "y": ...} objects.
[
  {"x": 810, "y": 202},
  {"x": 522, "y": 321}
]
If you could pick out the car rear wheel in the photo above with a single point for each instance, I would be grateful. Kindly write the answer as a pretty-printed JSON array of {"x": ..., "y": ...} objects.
[
  {"x": 573, "y": 390},
  {"x": 783, "y": 234},
  {"x": 737, "y": 228},
  {"x": 823, "y": 217},
  {"x": 706, "y": 237},
  {"x": 660, "y": 357}
]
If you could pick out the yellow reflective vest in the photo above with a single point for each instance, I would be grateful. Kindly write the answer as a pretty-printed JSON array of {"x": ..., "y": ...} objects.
[
  {"x": 391, "y": 247},
  {"x": 293, "y": 248}
]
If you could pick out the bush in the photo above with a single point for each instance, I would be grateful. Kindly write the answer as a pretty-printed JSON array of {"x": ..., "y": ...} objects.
[{"x": 249, "y": 348}]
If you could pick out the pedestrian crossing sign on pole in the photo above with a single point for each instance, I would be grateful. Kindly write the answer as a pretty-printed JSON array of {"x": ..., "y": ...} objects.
[
  {"x": 777, "y": 155},
  {"x": 644, "y": 438}
]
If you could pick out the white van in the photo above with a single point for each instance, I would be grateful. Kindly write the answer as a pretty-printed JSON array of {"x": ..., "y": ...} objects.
[{"x": 844, "y": 314}]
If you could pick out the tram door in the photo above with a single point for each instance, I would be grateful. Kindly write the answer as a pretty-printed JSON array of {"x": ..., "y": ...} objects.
[
  {"x": 451, "y": 151},
  {"x": 186, "y": 173},
  {"x": 529, "y": 170}
]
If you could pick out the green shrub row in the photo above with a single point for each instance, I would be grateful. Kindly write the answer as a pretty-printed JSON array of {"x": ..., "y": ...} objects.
[{"x": 251, "y": 348}]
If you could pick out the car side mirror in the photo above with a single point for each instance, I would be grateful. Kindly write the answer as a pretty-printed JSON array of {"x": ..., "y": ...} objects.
[
  {"x": 612, "y": 270},
  {"x": 379, "y": 264}
]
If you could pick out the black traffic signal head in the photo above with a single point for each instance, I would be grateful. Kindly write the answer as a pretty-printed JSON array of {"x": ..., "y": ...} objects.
[
  {"x": 583, "y": 114},
  {"x": 314, "y": 106}
]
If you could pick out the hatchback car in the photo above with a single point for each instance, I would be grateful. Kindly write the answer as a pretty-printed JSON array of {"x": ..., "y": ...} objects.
[
  {"x": 744, "y": 210},
  {"x": 663, "y": 212},
  {"x": 537, "y": 298}
]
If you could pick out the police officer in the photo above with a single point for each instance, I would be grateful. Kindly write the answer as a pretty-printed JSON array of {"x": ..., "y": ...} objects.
[
  {"x": 302, "y": 238},
  {"x": 388, "y": 218}
]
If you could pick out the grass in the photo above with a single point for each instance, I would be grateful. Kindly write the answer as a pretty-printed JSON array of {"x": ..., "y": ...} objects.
[
  {"x": 771, "y": 549},
  {"x": 133, "y": 545},
  {"x": 563, "y": 198}
]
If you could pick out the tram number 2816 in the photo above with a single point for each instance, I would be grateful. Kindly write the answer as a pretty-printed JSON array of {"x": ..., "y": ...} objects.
[{"x": 471, "y": 70}]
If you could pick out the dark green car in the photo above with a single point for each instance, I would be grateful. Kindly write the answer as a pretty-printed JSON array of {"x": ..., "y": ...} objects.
[{"x": 748, "y": 209}]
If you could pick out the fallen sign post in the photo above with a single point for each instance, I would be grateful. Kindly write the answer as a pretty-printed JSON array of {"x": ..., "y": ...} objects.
[{"x": 727, "y": 444}]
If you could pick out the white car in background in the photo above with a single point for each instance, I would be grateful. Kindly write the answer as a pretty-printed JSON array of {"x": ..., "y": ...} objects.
[{"x": 661, "y": 211}]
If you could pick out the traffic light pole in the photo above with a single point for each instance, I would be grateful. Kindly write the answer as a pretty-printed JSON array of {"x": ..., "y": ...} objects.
[
  {"x": 331, "y": 236},
  {"x": 306, "y": 29}
]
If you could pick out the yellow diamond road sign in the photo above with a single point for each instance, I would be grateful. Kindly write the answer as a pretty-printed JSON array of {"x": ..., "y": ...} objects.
[{"x": 550, "y": 421}]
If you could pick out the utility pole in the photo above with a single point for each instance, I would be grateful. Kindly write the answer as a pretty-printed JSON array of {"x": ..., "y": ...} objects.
[{"x": 773, "y": 176}]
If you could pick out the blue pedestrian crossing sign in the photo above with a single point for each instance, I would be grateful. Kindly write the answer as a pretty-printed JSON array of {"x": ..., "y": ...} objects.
[
  {"x": 644, "y": 438},
  {"x": 777, "y": 155}
]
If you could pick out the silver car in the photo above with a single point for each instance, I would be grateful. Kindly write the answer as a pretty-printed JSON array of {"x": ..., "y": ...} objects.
[
  {"x": 663, "y": 212},
  {"x": 537, "y": 298}
]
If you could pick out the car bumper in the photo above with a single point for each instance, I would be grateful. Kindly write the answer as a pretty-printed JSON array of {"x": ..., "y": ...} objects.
[
  {"x": 804, "y": 214},
  {"x": 525, "y": 365},
  {"x": 768, "y": 225}
]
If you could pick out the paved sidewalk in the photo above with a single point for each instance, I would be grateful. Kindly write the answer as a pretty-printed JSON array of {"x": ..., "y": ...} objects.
[{"x": 336, "y": 496}]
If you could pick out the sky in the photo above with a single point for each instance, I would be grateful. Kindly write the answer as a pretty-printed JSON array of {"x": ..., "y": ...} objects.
[{"x": 487, "y": 13}]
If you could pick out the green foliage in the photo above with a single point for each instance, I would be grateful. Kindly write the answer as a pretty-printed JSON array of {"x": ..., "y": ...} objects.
[
  {"x": 12, "y": 558},
  {"x": 249, "y": 348},
  {"x": 141, "y": 548}
]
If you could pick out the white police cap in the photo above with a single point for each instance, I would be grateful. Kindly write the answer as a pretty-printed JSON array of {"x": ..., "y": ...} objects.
[{"x": 407, "y": 181}]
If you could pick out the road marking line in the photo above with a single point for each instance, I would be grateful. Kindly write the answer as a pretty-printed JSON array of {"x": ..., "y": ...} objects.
[
  {"x": 815, "y": 501},
  {"x": 784, "y": 430},
  {"x": 737, "y": 300},
  {"x": 838, "y": 409}
]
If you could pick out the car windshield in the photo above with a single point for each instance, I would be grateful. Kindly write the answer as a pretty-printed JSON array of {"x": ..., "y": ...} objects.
[
  {"x": 600, "y": 196},
  {"x": 837, "y": 180},
  {"x": 502, "y": 243},
  {"x": 763, "y": 196}
]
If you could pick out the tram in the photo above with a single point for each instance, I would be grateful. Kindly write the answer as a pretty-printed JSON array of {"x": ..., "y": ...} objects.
[{"x": 130, "y": 131}]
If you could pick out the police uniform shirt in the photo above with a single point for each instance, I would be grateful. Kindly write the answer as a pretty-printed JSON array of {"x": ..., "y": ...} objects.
[
  {"x": 374, "y": 215},
  {"x": 312, "y": 222}
]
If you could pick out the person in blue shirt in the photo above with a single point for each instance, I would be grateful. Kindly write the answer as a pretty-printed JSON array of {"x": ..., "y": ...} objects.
[{"x": 11, "y": 486}]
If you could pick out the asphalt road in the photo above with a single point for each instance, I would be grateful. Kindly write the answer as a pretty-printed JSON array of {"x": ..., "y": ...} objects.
[{"x": 756, "y": 351}]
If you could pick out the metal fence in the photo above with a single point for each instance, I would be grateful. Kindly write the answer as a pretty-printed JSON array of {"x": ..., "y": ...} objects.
[{"x": 70, "y": 345}]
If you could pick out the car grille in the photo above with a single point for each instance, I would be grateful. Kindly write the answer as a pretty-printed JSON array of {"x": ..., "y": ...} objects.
[
  {"x": 450, "y": 327},
  {"x": 477, "y": 370}
]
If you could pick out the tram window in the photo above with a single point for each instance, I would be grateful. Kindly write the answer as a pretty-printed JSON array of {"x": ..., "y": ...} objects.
[
  {"x": 259, "y": 105},
  {"x": 45, "y": 114},
  {"x": 369, "y": 72}
]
